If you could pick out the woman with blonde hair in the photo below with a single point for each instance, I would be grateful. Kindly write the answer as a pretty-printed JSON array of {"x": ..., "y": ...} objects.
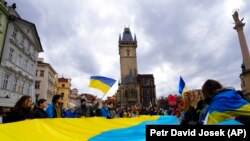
[{"x": 191, "y": 117}]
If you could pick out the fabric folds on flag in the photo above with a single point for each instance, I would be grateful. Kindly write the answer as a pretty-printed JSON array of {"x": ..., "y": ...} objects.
[
  {"x": 182, "y": 86},
  {"x": 221, "y": 108},
  {"x": 101, "y": 83}
]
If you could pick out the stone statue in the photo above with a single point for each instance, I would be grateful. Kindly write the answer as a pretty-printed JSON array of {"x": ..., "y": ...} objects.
[{"x": 236, "y": 18}]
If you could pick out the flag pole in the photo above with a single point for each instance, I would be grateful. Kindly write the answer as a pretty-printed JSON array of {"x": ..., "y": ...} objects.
[{"x": 102, "y": 96}]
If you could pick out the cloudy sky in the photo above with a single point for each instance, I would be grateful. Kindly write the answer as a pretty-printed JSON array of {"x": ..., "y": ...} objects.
[{"x": 191, "y": 38}]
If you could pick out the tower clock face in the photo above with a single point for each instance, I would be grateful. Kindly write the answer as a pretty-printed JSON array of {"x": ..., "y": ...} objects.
[{"x": 128, "y": 51}]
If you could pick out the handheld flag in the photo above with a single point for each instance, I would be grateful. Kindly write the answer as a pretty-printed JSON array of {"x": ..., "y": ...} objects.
[
  {"x": 182, "y": 86},
  {"x": 101, "y": 83},
  {"x": 149, "y": 101}
]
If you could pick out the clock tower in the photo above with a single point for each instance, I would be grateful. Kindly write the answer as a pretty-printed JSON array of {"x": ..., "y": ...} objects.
[
  {"x": 128, "y": 58},
  {"x": 128, "y": 90}
]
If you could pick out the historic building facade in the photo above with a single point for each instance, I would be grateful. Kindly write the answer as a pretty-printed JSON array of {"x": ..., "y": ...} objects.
[
  {"x": 147, "y": 89},
  {"x": 18, "y": 64},
  {"x": 64, "y": 89},
  {"x": 4, "y": 14},
  {"x": 45, "y": 81},
  {"x": 129, "y": 93}
]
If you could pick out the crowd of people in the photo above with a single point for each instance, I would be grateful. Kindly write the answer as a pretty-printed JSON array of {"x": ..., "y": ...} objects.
[{"x": 215, "y": 99}]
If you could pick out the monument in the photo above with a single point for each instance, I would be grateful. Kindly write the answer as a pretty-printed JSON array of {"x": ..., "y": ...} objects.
[{"x": 245, "y": 75}]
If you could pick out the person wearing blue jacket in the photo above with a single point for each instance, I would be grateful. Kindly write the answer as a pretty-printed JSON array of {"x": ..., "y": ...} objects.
[{"x": 54, "y": 109}]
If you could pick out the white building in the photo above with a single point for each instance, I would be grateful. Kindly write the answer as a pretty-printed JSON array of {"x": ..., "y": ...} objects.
[
  {"x": 74, "y": 97},
  {"x": 45, "y": 81},
  {"x": 18, "y": 64}
]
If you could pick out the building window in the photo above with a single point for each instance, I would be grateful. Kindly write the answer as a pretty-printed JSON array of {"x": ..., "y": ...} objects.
[
  {"x": 62, "y": 94},
  {"x": 21, "y": 87},
  {"x": 31, "y": 68},
  {"x": 14, "y": 33},
  {"x": 15, "y": 84},
  {"x": 20, "y": 60},
  {"x": 26, "y": 64},
  {"x": 37, "y": 85},
  {"x": 22, "y": 41},
  {"x": 5, "y": 81},
  {"x": 1, "y": 19},
  {"x": 28, "y": 89},
  {"x": 42, "y": 73},
  {"x": 63, "y": 85},
  {"x": 28, "y": 48},
  {"x": 37, "y": 72},
  {"x": 11, "y": 52}
]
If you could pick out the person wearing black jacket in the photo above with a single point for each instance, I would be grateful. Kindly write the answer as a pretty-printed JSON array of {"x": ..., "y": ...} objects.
[
  {"x": 39, "y": 111},
  {"x": 21, "y": 111}
]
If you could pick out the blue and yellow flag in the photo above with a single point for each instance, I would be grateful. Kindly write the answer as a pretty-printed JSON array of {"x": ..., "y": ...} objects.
[
  {"x": 182, "y": 86},
  {"x": 83, "y": 129},
  {"x": 101, "y": 83},
  {"x": 226, "y": 105},
  {"x": 149, "y": 102}
]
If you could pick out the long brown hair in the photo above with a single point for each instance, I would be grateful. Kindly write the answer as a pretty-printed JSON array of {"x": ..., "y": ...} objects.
[
  {"x": 210, "y": 87},
  {"x": 20, "y": 103}
]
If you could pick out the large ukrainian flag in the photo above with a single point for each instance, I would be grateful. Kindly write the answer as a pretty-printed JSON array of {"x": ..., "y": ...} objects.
[
  {"x": 83, "y": 129},
  {"x": 101, "y": 83},
  {"x": 226, "y": 105}
]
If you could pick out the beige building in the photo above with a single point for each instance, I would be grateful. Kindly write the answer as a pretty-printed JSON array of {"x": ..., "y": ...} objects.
[
  {"x": 63, "y": 89},
  {"x": 45, "y": 80}
]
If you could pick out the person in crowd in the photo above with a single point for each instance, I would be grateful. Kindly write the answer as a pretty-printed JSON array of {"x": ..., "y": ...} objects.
[
  {"x": 111, "y": 110},
  {"x": 105, "y": 110},
  {"x": 55, "y": 109},
  {"x": 2, "y": 114},
  {"x": 21, "y": 111},
  {"x": 71, "y": 111},
  {"x": 83, "y": 110},
  {"x": 224, "y": 103},
  {"x": 191, "y": 117},
  {"x": 94, "y": 110},
  {"x": 39, "y": 112}
]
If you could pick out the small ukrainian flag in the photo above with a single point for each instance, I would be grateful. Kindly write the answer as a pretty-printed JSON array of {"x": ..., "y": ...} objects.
[{"x": 101, "y": 83}]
